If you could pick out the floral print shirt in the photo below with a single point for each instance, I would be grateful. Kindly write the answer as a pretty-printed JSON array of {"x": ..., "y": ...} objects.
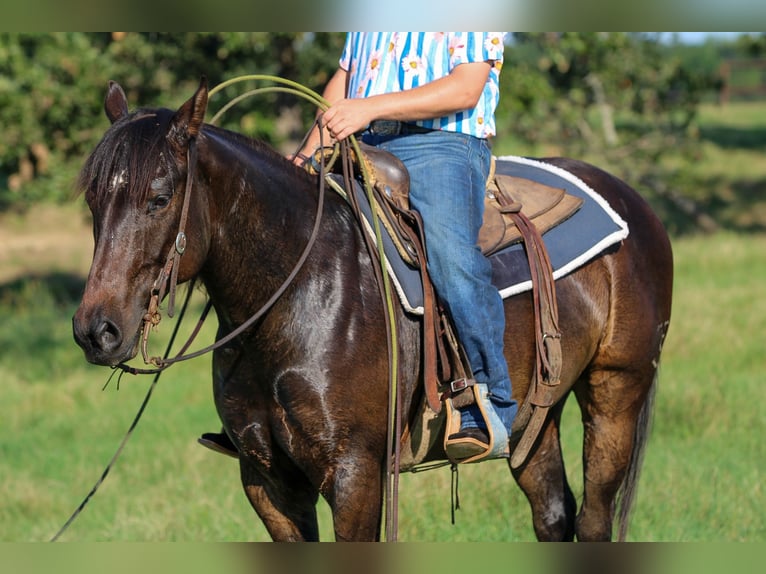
[{"x": 385, "y": 62}]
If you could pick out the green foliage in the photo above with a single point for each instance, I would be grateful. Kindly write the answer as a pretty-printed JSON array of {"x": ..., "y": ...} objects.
[
  {"x": 562, "y": 79},
  {"x": 46, "y": 106},
  {"x": 52, "y": 87},
  {"x": 625, "y": 102},
  {"x": 753, "y": 45}
]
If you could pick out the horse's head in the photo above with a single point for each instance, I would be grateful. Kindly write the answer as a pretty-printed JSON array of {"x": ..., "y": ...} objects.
[{"x": 134, "y": 184}]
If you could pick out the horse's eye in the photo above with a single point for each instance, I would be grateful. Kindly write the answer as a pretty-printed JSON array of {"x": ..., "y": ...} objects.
[{"x": 159, "y": 202}]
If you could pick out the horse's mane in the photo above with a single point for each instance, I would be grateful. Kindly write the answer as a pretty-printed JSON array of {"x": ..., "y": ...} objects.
[
  {"x": 263, "y": 150},
  {"x": 136, "y": 143}
]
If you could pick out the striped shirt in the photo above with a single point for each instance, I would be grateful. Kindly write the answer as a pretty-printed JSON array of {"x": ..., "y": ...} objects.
[{"x": 385, "y": 62}]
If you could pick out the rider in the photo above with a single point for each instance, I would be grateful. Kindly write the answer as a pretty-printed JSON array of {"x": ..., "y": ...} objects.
[{"x": 430, "y": 98}]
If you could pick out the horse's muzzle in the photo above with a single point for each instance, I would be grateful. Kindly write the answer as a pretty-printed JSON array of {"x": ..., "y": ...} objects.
[{"x": 102, "y": 340}]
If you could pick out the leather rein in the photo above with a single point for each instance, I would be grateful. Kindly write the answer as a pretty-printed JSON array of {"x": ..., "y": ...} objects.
[{"x": 167, "y": 282}]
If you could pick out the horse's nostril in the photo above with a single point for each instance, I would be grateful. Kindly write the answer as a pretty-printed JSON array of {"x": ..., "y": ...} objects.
[
  {"x": 100, "y": 338},
  {"x": 107, "y": 336}
]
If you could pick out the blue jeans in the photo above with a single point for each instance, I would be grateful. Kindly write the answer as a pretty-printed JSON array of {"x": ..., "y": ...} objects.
[{"x": 448, "y": 173}]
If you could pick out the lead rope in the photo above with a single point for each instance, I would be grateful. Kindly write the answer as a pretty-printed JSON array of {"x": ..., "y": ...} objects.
[
  {"x": 393, "y": 429},
  {"x": 172, "y": 265},
  {"x": 153, "y": 317},
  {"x": 394, "y": 418}
]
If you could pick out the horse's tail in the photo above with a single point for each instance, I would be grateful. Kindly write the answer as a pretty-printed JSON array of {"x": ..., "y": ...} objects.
[{"x": 627, "y": 491}]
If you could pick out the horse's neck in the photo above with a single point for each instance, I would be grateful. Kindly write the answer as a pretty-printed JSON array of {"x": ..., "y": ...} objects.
[
  {"x": 252, "y": 187},
  {"x": 261, "y": 215}
]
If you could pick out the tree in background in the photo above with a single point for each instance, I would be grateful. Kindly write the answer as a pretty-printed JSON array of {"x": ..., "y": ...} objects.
[
  {"x": 52, "y": 88},
  {"x": 622, "y": 101},
  {"x": 753, "y": 45}
]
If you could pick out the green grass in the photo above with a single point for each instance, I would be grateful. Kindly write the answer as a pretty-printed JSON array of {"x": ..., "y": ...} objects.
[
  {"x": 701, "y": 481},
  {"x": 704, "y": 467},
  {"x": 706, "y": 452}
]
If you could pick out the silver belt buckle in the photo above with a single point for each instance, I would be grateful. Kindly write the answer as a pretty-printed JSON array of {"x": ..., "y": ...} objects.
[{"x": 386, "y": 127}]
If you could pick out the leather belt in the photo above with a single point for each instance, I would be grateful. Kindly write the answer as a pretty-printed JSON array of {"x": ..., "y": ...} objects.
[{"x": 395, "y": 128}]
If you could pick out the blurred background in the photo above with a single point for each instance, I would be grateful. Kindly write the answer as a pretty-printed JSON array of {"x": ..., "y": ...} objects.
[
  {"x": 679, "y": 116},
  {"x": 639, "y": 103}
]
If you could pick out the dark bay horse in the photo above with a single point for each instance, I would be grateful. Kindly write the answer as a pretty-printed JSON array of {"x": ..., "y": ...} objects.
[{"x": 303, "y": 392}]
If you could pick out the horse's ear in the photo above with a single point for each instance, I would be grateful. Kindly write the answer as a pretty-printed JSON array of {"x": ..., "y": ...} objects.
[
  {"x": 188, "y": 120},
  {"x": 115, "y": 103}
]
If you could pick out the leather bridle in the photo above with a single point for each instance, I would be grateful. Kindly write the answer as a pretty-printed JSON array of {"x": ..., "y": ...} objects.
[{"x": 167, "y": 282}]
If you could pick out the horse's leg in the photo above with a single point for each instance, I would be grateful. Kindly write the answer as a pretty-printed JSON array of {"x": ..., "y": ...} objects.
[
  {"x": 543, "y": 480},
  {"x": 286, "y": 504},
  {"x": 611, "y": 402},
  {"x": 355, "y": 493}
]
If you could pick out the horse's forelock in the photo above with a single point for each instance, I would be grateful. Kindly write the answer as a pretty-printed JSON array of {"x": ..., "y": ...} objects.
[{"x": 132, "y": 148}]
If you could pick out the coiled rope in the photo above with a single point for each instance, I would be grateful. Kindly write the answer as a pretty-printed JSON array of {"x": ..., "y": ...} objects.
[{"x": 293, "y": 88}]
